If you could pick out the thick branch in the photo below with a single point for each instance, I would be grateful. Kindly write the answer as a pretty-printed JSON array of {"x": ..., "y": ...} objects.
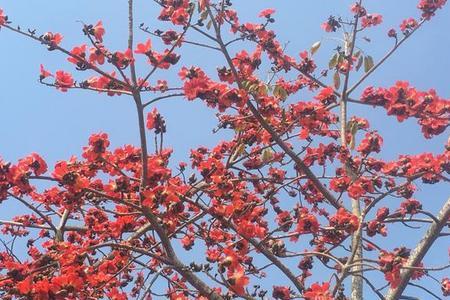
[{"x": 420, "y": 251}]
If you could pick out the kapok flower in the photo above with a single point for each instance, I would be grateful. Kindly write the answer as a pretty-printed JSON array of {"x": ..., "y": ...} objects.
[
  {"x": 142, "y": 48},
  {"x": 238, "y": 281},
  {"x": 3, "y": 18},
  {"x": 203, "y": 4},
  {"x": 63, "y": 80},
  {"x": 317, "y": 291},
  {"x": 52, "y": 39},
  {"x": 151, "y": 118},
  {"x": 266, "y": 13},
  {"x": 44, "y": 73},
  {"x": 79, "y": 55},
  {"x": 99, "y": 31},
  {"x": 445, "y": 286},
  {"x": 371, "y": 20},
  {"x": 96, "y": 55}
]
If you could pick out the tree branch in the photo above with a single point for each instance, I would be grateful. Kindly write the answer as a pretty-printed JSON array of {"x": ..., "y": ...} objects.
[
  {"x": 325, "y": 192},
  {"x": 420, "y": 251}
]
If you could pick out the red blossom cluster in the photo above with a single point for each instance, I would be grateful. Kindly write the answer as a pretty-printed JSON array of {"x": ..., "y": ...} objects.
[
  {"x": 198, "y": 85},
  {"x": 404, "y": 101},
  {"x": 292, "y": 173},
  {"x": 408, "y": 24},
  {"x": 371, "y": 20},
  {"x": 177, "y": 11},
  {"x": 319, "y": 291},
  {"x": 429, "y": 7},
  {"x": 391, "y": 264}
]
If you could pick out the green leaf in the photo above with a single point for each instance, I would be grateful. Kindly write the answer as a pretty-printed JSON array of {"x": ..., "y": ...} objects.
[
  {"x": 204, "y": 15},
  {"x": 263, "y": 89},
  {"x": 245, "y": 84},
  {"x": 208, "y": 25},
  {"x": 284, "y": 94},
  {"x": 253, "y": 88},
  {"x": 333, "y": 61},
  {"x": 336, "y": 80},
  {"x": 276, "y": 90},
  {"x": 315, "y": 47},
  {"x": 280, "y": 92},
  {"x": 368, "y": 63},
  {"x": 340, "y": 59},
  {"x": 267, "y": 155},
  {"x": 359, "y": 64},
  {"x": 240, "y": 149}
]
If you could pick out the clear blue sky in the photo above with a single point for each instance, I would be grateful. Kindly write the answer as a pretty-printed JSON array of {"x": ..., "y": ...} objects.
[{"x": 57, "y": 125}]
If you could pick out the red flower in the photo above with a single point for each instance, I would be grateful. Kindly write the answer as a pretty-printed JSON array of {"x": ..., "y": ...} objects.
[
  {"x": 3, "y": 18},
  {"x": 404, "y": 102},
  {"x": 331, "y": 25},
  {"x": 340, "y": 184},
  {"x": 358, "y": 9},
  {"x": 123, "y": 59},
  {"x": 152, "y": 118},
  {"x": 115, "y": 294},
  {"x": 99, "y": 31},
  {"x": 25, "y": 286},
  {"x": 169, "y": 36},
  {"x": 392, "y": 33},
  {"x": 144, "y": 48},
  {"x": 326, "y": 96},
  {"x": 52, "y": 39},
  {"x": 238, "y": 281},
  {"x": 203, "y": 4},
  {"x": 69, "y": 280},
  {"x": 374, "y": 227},
  {"x": 281, "y": 292},
  {"x": 188, "y": 241},
  {"x": 68, "y": 176},
  {"x": 36, "y": 163},
  {"x": 391, "y": 263},
  {"x": 429, "y": 7},
  {"x": 307, "y": 223},
  {"x": 97, "y": 146},
  {"x": 63, "y": 80},
  {"x": 445, "y": 286},
  {"x": 408, "y": 24},
  {"x": 382, "y": 213},
  {"x": 371, "y": 20},
  {"x": 318, "y": 292},
  {"x": 371, "y": 143},
  {"x": 96, "y": 55},
  {"x": 179, "y": 16},
  {"x": 80, "y": 53},
  {"x": 345, "y": 220},
  {"x": 410, "y": 206},
  {"x": 266, "y": 13},
  {"x": 44, "y": 73}
]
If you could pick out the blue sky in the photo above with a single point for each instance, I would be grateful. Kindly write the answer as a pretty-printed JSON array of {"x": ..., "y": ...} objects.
[{"x": 56, "y": 125}]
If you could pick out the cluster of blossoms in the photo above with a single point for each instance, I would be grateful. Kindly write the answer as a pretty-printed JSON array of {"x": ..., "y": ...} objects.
[
  {"x": 429, "y": 7},
  {"x": 404, "y": 101},
  {"x": 391, "y": 264},
  {"x": 198, "y": 85},
  {"x": 177, "y": 11},
  {"x": 237, "y": 204}
]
